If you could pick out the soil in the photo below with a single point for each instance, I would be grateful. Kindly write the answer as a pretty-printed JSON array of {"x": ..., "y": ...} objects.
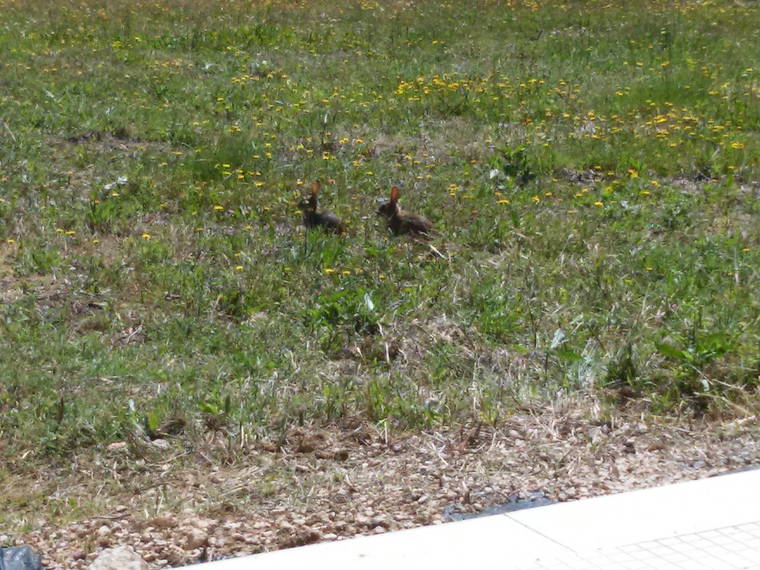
[{"x": 323, "y": 484}]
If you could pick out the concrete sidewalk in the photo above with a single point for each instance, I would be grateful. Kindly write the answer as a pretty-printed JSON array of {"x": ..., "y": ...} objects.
[{"x": 707, "y": 524}]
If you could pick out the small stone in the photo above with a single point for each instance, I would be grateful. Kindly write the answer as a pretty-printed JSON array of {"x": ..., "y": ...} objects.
[
  {"x": 195, "y": 538},
  {"x": 78, "y": 555},
  {"x": 161, "y": 444},
  {"x": 119, "y": 558}
]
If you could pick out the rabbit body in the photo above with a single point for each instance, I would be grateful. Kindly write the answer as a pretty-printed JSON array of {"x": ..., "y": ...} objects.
[
  {"x": 315, "y": 219},
  {"x": 401, "y": 222}
]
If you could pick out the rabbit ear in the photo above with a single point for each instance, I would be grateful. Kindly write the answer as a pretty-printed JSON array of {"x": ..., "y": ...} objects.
[
  {"x": 315, "y": 188},
  {"x": 394, "y": 194}
]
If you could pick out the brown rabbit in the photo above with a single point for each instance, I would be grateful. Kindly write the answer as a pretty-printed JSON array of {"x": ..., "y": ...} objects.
[
  {"x": 401, "y": 222},
  {"x": 313, "y": 219}
]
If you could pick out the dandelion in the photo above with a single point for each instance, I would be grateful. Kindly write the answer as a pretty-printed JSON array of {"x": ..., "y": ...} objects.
[
  {"x": 218, "y": 208},
  {"x": 599, "y": 204},
  {"x": 329, "y": 270},
  {"x": 238, "y": 268},
  {"x": 504, "y": 201},
  {"x": 737, "y": 145},
  {"x": 10, "y": 240},
  {"x": 536, "y": 199},
  {"x": 71, "y": 233}
]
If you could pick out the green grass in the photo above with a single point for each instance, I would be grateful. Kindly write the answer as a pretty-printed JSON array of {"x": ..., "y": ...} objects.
[{"x": 592, "y": 168}]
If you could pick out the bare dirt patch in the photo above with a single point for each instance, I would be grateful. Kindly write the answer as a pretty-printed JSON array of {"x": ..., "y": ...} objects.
[{"x": 318, "y": 484}]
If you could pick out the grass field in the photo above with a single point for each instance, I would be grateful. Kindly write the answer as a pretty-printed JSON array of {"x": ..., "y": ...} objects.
[{"x": 592, "y": 169}]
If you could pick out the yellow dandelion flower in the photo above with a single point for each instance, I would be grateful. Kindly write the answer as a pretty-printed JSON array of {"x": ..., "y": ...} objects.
[
  {"x": 329, "y": 270},
  {"x": 238, "y": 268},
  {"x": 146, "y": 235},
  {"x": 598, "y": 204},
  {"x": 218, "y": 208}
]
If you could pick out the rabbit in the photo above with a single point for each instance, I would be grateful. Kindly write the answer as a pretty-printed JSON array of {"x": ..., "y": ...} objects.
[
  {"x": 401, "y": 222},
  {"x": 314, "y": 219}
]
